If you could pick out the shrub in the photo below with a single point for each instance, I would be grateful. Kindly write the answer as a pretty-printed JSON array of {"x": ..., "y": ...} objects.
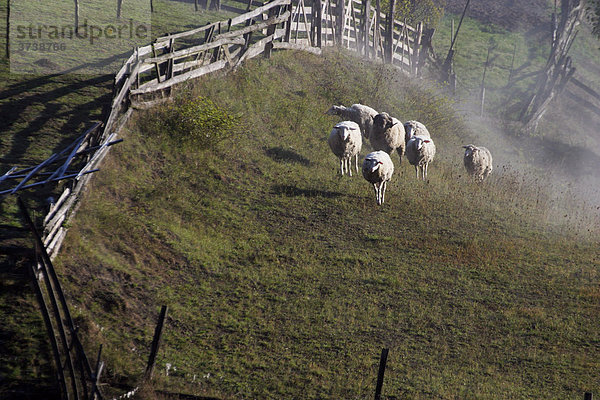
[{"x": 195, "y": 122}]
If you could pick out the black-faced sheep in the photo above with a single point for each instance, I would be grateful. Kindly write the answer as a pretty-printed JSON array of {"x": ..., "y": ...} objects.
[{"x": 388, "y": 134}]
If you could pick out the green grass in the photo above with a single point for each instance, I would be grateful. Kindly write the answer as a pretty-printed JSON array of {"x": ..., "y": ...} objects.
[{"x": 285, "y": 280}]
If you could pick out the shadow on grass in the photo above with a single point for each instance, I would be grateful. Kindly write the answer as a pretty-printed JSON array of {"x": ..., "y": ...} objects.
[
  {"x": 293, "y": 191},
  {"x": 281, "y": 154}
]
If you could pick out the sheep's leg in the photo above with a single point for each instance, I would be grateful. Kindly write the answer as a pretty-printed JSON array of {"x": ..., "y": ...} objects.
[
  {"x": 417, "y": 171},
  {"x": 342, "y": 166},
  {"x": 425, "y": 171},
  {"x": 349, "y": 165},
  {"x": 376, "y": 193},
  {"x": 383, "y": 186},
  {"x": 356, "y": 158}
]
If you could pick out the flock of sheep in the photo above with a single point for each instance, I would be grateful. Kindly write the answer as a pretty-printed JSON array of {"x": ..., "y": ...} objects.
[{"x": 386, "y": 134}]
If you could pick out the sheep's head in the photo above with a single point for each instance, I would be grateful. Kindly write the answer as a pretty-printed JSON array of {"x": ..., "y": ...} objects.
[
  {"x": 372, "y": 164},
  {"x": 383, "y": 121},
  {"x": 334, "y": 110},
  {"x": 417, "y": 142},
  {"x": 409, "y": 128},
  {"x": 345, "y": 128},
  {"x": 470, "y": 150},
  {"x": 343, "y": 132},
  {"x": 413, "y": 128}
]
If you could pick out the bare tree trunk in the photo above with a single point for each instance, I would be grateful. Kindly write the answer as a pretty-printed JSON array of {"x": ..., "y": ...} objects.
[
  {"x": 559, "y": 68},
  {"x": 76, "y": 16}
]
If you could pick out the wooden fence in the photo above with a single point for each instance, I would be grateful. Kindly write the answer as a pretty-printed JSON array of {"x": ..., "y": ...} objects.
[
  {"x": 305, "y": 25},
  {"x": 280, "y": 24}
]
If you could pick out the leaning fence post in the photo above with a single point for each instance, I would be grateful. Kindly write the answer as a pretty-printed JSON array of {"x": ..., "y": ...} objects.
[
  {"x": 156, "y": 343},
  {"x": 382, "y": 363}
]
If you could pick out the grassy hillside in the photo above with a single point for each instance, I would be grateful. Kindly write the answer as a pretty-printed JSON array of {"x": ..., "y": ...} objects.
[
  {"x": 39, "y": 115},
  {"x": 285, "y": 280}
]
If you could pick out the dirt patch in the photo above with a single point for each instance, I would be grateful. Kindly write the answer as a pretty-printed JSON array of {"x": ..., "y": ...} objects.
[{"x": 509, "y": 14}]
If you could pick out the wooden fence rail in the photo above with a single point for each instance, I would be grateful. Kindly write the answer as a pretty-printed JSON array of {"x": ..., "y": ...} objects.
[{"x": 292, "y": 24}]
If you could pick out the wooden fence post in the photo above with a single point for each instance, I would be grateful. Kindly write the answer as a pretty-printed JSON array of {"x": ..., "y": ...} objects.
[
  {"x": 156, "y": 343},
  {"x": 273, "y": 12},
  {"x": 340, "y": 22},
  {"x": 53, "y": 301},
  {"x": 389, "y": 33},
  {"x": 382, "y": 363},
  {"x": 417, "y": 48},
  {"x": 377, "y": 29},
  {"x": 48, "y": 322},
  {"x": 156, "y": 67},
  {"x": 318, "y": 22},
  {"x": 288, "y": 25},
  {"x": 366, "y": 26}
]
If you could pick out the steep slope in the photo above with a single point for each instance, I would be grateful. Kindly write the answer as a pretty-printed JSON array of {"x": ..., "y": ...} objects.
[{"x": 284, "y": 280}]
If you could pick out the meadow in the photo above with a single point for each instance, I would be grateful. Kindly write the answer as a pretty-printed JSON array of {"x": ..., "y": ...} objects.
[{"x": 285, "y": 280}]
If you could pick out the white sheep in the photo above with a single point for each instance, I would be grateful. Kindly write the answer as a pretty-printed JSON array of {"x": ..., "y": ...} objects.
[
  {"x": 378, "y": 169},
  {"x": 359, "y": 113},
  {"x": 388, "y": 134},
  {"x": 478, "y": 161},
  {"x": 345, "y": 140},
  {"x": 420, "y": 151},
  {"x": 415, "y": 128}
]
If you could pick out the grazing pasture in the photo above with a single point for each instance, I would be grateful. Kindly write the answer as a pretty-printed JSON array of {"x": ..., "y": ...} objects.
[{"x": 285, "y": 280}]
